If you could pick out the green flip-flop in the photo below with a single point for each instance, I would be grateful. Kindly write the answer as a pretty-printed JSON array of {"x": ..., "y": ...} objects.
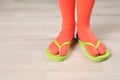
[
  {"x": 99, "y": 58},
  {"x": 59, "y": 58}
]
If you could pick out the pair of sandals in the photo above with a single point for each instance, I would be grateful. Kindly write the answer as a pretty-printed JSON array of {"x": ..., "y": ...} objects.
[{"x": 59, "y": 58}]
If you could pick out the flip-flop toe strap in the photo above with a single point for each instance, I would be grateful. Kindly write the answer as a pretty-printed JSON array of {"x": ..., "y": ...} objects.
[
  {"x": 60, "y": 46},
  {"x": 98, "y": 44},
  {"x": 91, "y": 44}
]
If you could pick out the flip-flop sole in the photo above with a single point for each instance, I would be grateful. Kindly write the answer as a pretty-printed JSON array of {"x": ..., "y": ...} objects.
[
  {"x": 98, "y": 58},
  {"x": 57, "y": 58}
]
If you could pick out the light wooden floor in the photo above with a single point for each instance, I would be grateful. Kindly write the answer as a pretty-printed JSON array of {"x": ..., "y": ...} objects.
[{"x": 28, "y": 26}]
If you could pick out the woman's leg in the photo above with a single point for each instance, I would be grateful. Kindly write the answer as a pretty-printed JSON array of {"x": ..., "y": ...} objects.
[
  {"x": 67, "y": 8},
  {"x": 84, "y": 32}
]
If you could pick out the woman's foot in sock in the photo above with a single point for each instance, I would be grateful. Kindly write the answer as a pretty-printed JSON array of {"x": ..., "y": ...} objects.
[
  {"x": 87, "y": 35},
  {"x": 66, "y": 34}
]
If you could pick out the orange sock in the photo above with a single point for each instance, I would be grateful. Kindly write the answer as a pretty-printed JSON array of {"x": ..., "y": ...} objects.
[
  {"x": 84, "y": 32},
  {"x": 67, "y": 8}
]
